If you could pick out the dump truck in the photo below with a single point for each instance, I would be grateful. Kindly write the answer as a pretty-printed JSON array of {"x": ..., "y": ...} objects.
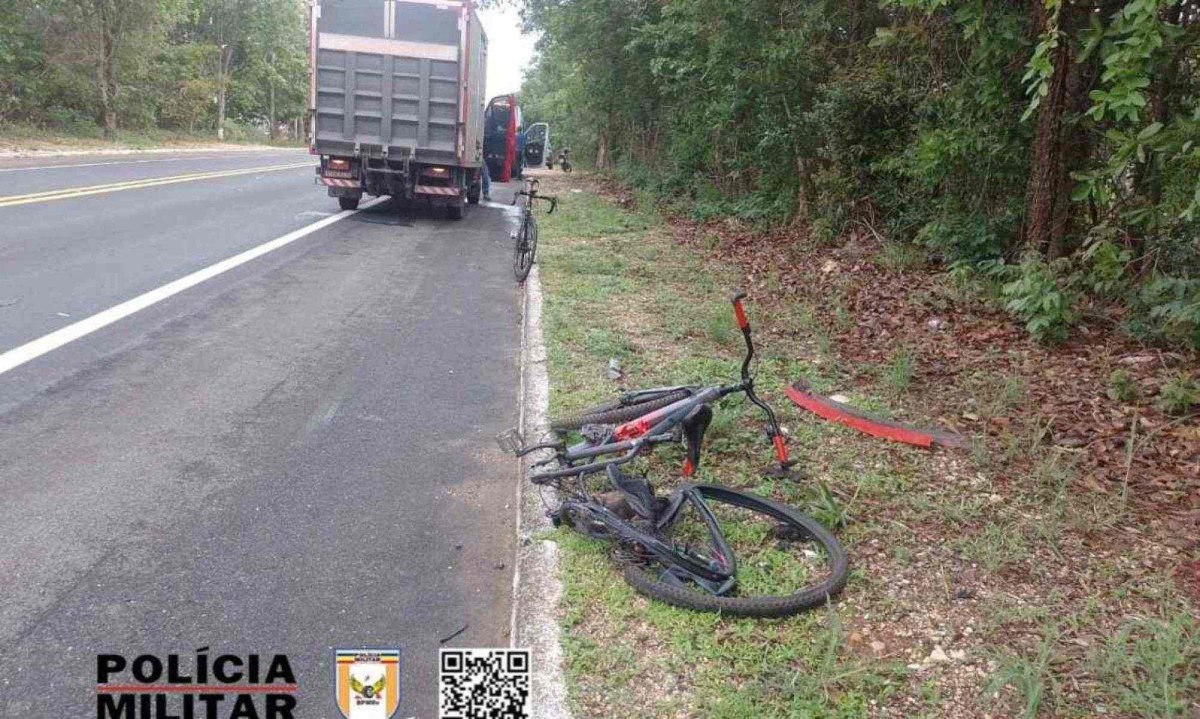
[{"x": 396, "y": 100}]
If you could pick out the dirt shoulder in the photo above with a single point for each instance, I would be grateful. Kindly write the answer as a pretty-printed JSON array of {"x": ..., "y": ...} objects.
[
  {"x": 1049, "y": 570},
  {"x": 27, "y": 142}
]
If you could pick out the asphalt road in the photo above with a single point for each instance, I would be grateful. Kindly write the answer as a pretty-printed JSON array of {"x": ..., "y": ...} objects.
[{"x": 293, "y": 456}]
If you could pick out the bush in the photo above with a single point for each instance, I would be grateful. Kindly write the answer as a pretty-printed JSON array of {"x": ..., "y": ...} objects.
[
  {"x": 969, "y": 237},
  {"x": 1179, "y": 395},
  {"x": 1173, "y": 306},
  {"x": 1038, "y": 293}
]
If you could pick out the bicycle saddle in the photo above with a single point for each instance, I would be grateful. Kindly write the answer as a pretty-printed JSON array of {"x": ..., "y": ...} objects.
[
  {"x": 638, "y": 493},
  {"x": 693, "y": 433}
]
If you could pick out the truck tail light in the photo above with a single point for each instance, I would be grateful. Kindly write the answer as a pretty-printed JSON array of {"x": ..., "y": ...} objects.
[{"x": 339, "y": 163}]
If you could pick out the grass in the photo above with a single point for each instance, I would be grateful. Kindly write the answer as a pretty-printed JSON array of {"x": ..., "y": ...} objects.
[
  {"x": 1148, "y": 667},
  {"x": 1029, "y": 677},
  {"x": 1008, "y": 545},
  {"x": 898, "y": 374},
  {"x": 665, "y": 315},
  {"x": 15, "y": 136}
]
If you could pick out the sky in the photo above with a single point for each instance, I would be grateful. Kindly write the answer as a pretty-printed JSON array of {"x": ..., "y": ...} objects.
[{"x": 508, "y": 50}]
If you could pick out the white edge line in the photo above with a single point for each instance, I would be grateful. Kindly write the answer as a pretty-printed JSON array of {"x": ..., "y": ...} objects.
[{"x": 48, "y": 343}]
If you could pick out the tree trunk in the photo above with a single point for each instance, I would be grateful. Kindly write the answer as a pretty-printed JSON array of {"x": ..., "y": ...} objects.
[
  {"x": 602, "y": 150},
  {"x": 1047, "y": 187},
  {"x": 271, "y": 112},
  {"x": 1148, "y": 177},
  {"x": 221, "y": 113},
  {"x": 108, "y": 114},
  {"x": 222, "y": 72},
  {"x": 106, "y": 77}
]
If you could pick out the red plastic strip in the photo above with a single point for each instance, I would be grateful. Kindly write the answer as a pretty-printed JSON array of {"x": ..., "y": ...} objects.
[{"x": 842, "y": 414}]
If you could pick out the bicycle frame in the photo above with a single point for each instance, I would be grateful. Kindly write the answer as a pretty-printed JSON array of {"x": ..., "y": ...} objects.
[{"x": 665, "y": 425}]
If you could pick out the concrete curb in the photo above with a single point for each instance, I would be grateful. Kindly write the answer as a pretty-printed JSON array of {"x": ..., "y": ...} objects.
[{"x": 536, "y": 585}]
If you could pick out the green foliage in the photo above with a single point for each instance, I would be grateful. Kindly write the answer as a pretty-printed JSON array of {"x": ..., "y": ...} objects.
[
  {"x": 898, "y": 374},
  {"x": 1030, "y": 678},
  {"x": 1121, "y": 386},
  {"x": 1151, "y": 667},
  {"x": 1038, "y": 293},
  {"x": 917, "y": 118},
  {"x": 1179, "y": 395},
  {"x": 1174, "y": 308},
  {"x": 164, "y": 66}
]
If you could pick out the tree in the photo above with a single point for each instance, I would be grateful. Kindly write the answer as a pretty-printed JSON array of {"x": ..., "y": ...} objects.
[
  {"x": 110, "y": 33},
  {"x": 1065, "y": 133},
  {"x": 258, "y": 48}
]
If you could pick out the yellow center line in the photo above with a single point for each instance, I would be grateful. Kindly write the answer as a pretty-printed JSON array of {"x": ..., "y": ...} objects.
[{"x": 66, "y": 193}]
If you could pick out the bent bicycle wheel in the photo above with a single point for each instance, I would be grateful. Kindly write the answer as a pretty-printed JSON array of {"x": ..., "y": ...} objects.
[
  {"x": 786, "y": 562},
  {"x": 617, "y": 412}
]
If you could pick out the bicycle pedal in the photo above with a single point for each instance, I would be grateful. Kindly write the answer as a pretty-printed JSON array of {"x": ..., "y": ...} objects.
[{"x": 510, "y": 441}]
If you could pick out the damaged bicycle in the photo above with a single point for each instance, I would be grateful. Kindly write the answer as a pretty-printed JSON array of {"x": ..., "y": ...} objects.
[{"x": 704, "y": 547}]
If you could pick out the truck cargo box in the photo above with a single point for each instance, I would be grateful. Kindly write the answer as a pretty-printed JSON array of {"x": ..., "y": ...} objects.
[{"x": 398, "y": 79}]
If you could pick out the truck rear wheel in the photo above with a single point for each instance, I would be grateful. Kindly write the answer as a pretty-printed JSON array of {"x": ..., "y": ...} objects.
[{"x": 348, "y": 203}]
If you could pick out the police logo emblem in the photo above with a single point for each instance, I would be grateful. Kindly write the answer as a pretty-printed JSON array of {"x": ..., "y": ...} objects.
[{"x": 367, "y": 682}]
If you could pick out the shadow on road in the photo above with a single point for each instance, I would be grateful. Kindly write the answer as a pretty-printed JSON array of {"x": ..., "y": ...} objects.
[{"x": 393, "y": 214}]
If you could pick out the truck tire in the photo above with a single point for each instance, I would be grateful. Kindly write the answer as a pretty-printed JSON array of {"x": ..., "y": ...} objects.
[
  {"x": 473, "y": 194},
  {"x": 455, "y": 212},
  {"x": 348, "y": 203}
]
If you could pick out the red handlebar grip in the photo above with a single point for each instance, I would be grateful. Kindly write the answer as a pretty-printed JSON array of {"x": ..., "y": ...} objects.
[
  {"x": 781, "y": 452},
  {"x": 739, "y": 312}
]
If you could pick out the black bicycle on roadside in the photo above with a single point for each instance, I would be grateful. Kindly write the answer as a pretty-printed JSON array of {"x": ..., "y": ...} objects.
[
  {"x": 703, "y": 547},
  {"x": 526, "y": 236}
]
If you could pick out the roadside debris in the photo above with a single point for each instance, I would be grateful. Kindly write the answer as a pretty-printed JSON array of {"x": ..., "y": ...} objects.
[
  {"x": 838, "y": 411},
  {"x": 614, "y": 369},
  {"x": 460, "y": 630}
]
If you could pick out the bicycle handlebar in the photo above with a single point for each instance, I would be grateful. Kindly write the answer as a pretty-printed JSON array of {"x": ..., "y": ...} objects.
[
  {"x": 552, "y": 199},
  {"x": 631, "y": 447}
]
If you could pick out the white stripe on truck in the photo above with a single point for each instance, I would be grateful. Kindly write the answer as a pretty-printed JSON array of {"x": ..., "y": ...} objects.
[{"x": 384, "y": 46}]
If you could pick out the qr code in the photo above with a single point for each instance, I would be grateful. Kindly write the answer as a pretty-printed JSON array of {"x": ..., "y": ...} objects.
[{"x": 484, "y": 684}]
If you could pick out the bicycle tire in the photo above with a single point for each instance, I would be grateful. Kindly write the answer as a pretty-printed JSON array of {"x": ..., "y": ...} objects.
[
  {"x": 523, "y": 252},
  {"x": 533, "y": 241},
  {"x": 615, "y": 412},
  {"x": 763, "y": 606}
]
